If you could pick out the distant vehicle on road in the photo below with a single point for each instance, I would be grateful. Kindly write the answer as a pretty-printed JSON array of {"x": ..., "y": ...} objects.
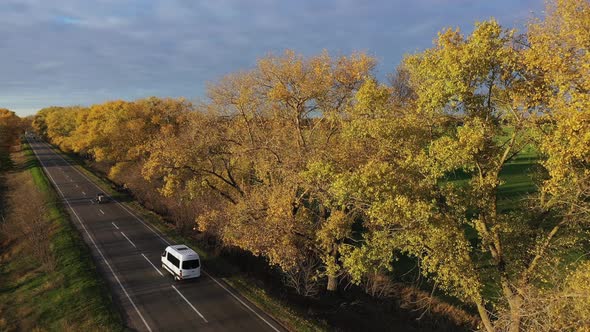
[
  {"x": 182, "y": 262},
  {"x": 100, "y": 198}
]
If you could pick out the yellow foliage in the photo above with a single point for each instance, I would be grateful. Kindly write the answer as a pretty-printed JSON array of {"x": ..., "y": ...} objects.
[
  {"x": 10, "y": 127},
  {"x": 292, "y": 158}
]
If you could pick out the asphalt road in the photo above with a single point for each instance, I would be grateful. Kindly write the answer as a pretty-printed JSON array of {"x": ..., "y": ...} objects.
[{"x": 127, "y": 251}]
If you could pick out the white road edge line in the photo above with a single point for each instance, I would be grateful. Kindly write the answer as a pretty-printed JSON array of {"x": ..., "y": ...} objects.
[
  {"x": 164, "y": 240},
  {"x": 197, "y": 311},
  {"x": 128, "y": 239},
  {"x": 94, "y": 243},
  {"x": 242, "y": 302},
  {"x": 155, "y": 268},
  {"x": 115, "y": 225},
  {"x": 101, "y": 211},
  {"x": 83, "y": 193}
]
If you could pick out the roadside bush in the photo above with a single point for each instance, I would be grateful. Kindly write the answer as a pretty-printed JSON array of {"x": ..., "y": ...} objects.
[{"x": 303, "y": 278}]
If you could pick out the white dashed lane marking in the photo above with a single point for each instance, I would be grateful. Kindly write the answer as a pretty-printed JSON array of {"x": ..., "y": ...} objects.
[
  {"x": 155, "y": 268},
  {"x": 133, "y": 244},
  {"x": 195, "y": 309}
]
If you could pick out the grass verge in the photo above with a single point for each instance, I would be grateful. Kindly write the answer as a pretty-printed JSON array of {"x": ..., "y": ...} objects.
[
  {"x": 71, "y": 296},
  {"x": 288, "y": 316}
]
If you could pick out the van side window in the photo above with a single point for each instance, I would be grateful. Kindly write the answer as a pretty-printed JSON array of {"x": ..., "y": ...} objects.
[{"x": 173, "y": 260}]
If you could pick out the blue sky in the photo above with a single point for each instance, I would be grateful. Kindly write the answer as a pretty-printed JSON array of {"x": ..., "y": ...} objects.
[{"x": 67, "y": 52}]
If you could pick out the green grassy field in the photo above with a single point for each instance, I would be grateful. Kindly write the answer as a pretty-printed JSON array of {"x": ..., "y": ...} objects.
[
  {"x": 71, "y": 297},
  {"x": 518, "y": 176}
]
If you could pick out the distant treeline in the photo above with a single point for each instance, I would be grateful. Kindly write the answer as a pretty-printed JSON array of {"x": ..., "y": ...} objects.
[{"x": 11, "y": 127}]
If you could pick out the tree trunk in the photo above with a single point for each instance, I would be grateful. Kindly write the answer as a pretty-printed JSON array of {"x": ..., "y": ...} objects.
[
  {"x": 332, "y": 283},
  {"x": 514, "y": 321},
  {"x": 515, "y": 301},
  {"x": 485, "y": 318},
  {"x": 515, "y": 314},
  {"x": 333, "y": 276}
]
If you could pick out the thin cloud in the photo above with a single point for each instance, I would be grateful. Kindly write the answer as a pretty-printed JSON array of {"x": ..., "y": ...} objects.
[{"x": 64, "y": 52}]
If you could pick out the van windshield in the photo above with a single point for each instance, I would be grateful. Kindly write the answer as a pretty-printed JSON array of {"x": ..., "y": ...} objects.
[{"x": 192, "y": 264}]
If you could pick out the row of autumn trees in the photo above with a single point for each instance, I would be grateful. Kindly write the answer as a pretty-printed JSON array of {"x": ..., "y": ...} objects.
[
  {"x": 312, "y": 159},
  {"x": 11, "y": 127}
]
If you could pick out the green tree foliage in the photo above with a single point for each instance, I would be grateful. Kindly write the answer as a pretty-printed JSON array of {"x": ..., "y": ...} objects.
[
  {"x": 560, "y": 50},
  {"x": 473, "y": 114}
]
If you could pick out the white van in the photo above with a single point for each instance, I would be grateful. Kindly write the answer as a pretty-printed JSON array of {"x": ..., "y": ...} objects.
[{"x": 182, "y": 262}]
